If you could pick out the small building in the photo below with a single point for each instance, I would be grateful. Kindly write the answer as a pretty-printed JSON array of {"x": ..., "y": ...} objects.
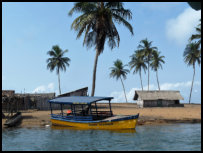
[
  {"x": 36, "y": 100},
  {"x": 154, "y": 98},
  {"x": 25, "y": 101},
  {"x": 8, "y": 93},
  {"x": 79, "y": 92}
]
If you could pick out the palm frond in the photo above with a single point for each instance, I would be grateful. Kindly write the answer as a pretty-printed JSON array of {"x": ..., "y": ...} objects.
[
  {"x": 192, "y": 54},
  {"x": 97, "y": 22}
]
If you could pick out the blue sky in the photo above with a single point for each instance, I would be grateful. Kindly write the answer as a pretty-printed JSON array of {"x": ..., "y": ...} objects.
[{"x": 29, "y": 30}]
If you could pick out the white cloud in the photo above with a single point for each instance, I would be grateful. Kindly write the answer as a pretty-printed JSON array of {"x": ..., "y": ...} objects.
[
  {"x": 179, "y": 29},
  {"x": 162, "y": 6},
  {"x": 51, "y": 86},
  {"x": 182, "y": 86},
  {"x": 44, "y": 88},
  {"x": 171, "y": 86},
  {"x": 119, "y": 95},
  {"x": 40, "y": 89}
]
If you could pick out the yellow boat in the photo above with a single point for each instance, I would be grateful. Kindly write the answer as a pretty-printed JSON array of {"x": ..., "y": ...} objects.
[{"x": 84, "y": 113}]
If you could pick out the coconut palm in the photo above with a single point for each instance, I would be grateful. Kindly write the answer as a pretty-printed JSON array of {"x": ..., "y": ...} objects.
[
  {"x": 57, "y": 61},
  {"x": 156, "y": 63},
  {"x": 119, "y": 72},
  {"x": 198, "y": 35},
  {"x": 192, "y": 55},
  {"x": 97, "y": 22},
  {"x": 146, "y": 48},
  {"x": 138, "y": 63},
  {"x": 195, "y": 5}
]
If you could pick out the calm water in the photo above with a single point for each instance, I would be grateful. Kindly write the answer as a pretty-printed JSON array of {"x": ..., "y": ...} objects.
[{"x": 164, "y": 137}]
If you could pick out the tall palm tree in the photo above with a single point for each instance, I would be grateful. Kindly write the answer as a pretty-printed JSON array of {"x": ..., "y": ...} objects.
[
  {"x": 198, "y": 35},
  {"x": 97, "y": 22},
  {"x": 156, "y": 63},
  {"x": 192, "y": 55},
  {"x": 146, "y": 48},
  {"x": 118, "y": 71},
  {"x": 57, "y": 61},
  {"x": 138, "y": 63}
]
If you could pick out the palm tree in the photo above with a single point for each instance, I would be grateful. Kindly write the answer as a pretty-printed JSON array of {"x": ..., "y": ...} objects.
[
  {"x": 195, "y": 5},
  {"x": 97, "y": 22},
  {"x": 156, "y": 63},
  {"x": 118, "y": 71},
  {"x": 146, "y": 48},
  {"x": 138, "y": 63},
  {"x": 192, "y": 55},
  {"x": 57, "y": 61},
  {"x": 198, "y": 35}
]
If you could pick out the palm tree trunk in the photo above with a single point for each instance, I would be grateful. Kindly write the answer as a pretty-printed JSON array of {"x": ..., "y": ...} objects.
[
  {"x": 148, "y": 73},
  {"x": 124, "y": 89},
  {"x": 141, "y": 80},
  {"x": 157, "y": 79},
  {"x": 94, "y": 72},
  {"x": 59, "y": 82},
  {"x": 192, "y": 83}
]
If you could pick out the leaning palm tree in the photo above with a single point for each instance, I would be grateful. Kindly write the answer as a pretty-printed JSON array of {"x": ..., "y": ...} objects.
[
  {"x": 118, "y": 71},
  {"x": 192, "y": 55},
  {"x": 138, "y": 63},
  {"x": 198, "y": 35},
  {"x": 57, "y": 61},
  {"x": 97, "y": 22},
  {"x": 146, "y": 48},
  {"x": 156, "y": 63}
]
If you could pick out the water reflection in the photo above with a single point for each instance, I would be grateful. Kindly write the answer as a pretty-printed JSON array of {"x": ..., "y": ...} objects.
[
  {"x": 145, "y": 138},
  {"x": 54, "y": 127}
]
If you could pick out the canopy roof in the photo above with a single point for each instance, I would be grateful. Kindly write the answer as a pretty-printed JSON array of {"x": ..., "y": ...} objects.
[{"x": 78, "y": 100}]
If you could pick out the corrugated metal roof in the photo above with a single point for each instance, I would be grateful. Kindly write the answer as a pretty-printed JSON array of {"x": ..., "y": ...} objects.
[
  {"x": 78, "y": 100},
  {"x": 155, "y": 95},
  {"x": 75, "y": 92}
]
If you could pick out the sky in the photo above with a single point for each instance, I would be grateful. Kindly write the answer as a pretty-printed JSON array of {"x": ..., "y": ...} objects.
[{"x": 30, "y": 29}]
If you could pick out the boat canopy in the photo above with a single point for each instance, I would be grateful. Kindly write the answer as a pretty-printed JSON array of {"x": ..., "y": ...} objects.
[{"x": 78, "y": 100}]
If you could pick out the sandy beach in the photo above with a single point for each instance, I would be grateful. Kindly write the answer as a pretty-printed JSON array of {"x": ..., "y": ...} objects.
[{"x": 148, "y": 116}]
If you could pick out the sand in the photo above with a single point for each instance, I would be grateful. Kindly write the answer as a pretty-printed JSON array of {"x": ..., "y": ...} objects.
[{"x": 190, "y": 113}]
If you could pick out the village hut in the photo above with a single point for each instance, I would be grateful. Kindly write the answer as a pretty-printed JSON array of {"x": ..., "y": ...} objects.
[
  {"x": 8, "y": 93},
  {"x": 35, "y": 100},
  {"x": 79, "y": 92},
  {"x": 154, "y": 98},
  {"x": 25, "y": 101}
]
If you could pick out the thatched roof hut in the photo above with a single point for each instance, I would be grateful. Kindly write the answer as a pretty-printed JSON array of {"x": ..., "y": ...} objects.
[
  {"x": 155, "y": 95},
  {"x": 158, "y": 98}
]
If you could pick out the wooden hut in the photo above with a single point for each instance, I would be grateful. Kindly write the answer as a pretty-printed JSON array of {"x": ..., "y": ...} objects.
[
  {"x": 154, "y": 98},
  {"x": 8, "y": 93},
  {"x": 19, "y": 101},
  {"x": 36, "y": 100},
  {"x": 79, "y": 92}
]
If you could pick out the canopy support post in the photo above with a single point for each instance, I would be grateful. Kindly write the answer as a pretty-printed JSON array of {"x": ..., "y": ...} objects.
[
  {"x": 90, "y": 109},
  {"x": 110, "y": 107},
  {"x": 96, "y": 108},
  {"x": 50, "y": 108},
  {"x": 71, "y": 109},
  {"x": 74, "y": 110},
  {"x": 61, "y": 110}
]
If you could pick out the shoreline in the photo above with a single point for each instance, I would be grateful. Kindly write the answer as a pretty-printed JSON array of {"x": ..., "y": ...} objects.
[{"x": 190, "y": 113}]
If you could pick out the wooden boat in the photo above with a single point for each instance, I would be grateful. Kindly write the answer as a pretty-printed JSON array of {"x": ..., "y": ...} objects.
[
  {"x": 85, "y": 114},
  {"x": 13, "y": 120}
]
